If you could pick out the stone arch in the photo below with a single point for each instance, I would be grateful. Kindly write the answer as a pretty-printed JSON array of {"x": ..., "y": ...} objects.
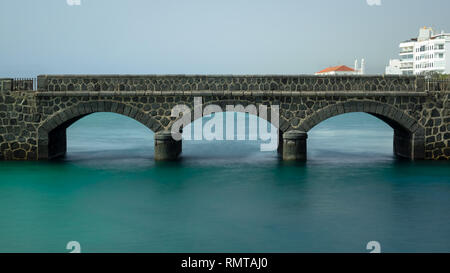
[
  {"x": 391, "y": 115},
  {"x": 283, "y": 123},
  {"x": 409, "y": 135},
  {"x": 52, "y": 131}
]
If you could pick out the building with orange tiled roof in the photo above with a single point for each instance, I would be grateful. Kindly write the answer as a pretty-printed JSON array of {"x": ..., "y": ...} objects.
[
  {"x": 337, "y": 70},
  {"x": 343, "y": 70}
]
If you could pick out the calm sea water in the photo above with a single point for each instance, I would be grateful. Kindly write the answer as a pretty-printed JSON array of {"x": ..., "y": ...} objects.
[{"x": 110, "y": 195}]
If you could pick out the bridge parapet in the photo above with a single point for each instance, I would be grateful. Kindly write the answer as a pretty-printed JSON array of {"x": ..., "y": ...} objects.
[
  {"x": 217, "y": 83},
  {"x": 438, "y": 85},
  {"x": 6, "y": 84}
]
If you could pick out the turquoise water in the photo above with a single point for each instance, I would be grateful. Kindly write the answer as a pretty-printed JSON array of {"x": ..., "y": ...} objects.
[{"x": 110, "y": 195}]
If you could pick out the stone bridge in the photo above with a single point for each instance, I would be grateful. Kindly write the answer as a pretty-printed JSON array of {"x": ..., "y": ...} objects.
[{"x": 34, "y": 122}]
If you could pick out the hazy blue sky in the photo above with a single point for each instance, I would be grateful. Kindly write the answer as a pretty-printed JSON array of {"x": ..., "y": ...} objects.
[{"x": 206, "y": 36}]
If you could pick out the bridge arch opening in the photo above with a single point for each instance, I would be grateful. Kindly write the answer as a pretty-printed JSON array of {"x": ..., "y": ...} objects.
[
  {"x": 408, "y": 135},
  {"x": 351, "y": 137},
  {"x": 52, "y": 133},
  {"x": 227, "y": 134},
  {"x": 109, "y": 137}
]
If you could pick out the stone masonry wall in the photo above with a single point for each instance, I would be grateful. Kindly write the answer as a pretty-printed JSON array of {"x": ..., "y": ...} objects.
[
  {"x": 436, "y": 119},
  {"x": 18, "y": 125},
  {"x": 219, "y": 83}
]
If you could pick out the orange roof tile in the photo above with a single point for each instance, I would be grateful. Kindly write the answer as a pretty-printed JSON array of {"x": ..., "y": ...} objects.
[{"x": 341, "y": 68}]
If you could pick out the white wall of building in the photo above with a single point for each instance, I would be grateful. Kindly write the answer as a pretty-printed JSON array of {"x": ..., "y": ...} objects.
[
  {"x": 447, "y": 56},
  {"x": 338, "y": 73},
  {"x": 407, "y": 58},
  {"x": 394, "y": 67}
]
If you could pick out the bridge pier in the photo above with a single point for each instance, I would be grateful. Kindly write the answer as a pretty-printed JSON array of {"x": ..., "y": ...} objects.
[
  {"x": 167, "y": 148},
  {"x": 57, "y": 144},
  {"x": 294, "y": 146},
  {"x": 410, "y": 146}
]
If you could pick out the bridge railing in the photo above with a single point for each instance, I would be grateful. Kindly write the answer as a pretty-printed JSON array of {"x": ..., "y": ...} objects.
[
  {"x": 18, "y": 84},
  {"x": 218, "y": 83},
  {"x": 438, "y": 85},
  {"x": 24, "y": 84}
]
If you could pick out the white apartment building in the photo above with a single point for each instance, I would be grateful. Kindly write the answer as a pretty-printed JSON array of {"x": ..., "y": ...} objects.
[
  {"x": 426, "y": 53},
  {"x": 394, "y": 67}
]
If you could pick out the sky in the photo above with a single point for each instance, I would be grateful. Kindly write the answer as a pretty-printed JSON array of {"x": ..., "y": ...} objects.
[{"x": 207, "y": 36}]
